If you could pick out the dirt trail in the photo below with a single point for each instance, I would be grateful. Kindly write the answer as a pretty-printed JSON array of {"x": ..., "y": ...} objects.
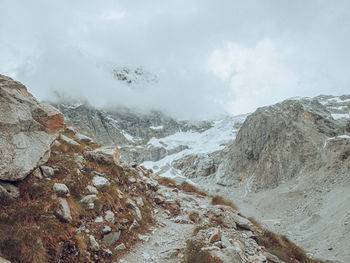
[{"x": 167, "y": 239}]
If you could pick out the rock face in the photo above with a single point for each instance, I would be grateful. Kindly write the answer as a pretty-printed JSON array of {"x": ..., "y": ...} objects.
[
  {"x": 127, "y": 129},
  {"x": 27, "y": 130},
  {"x": 104, "y": 155},
  {"x": 280, "y": 142}
]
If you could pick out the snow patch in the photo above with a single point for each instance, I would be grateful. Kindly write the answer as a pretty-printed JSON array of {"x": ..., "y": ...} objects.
[
  {"x": 336, "y": 137},
  {"x": 338, "y": 116},
  {"x": 161, "y": 127},
  {"x": 209, "y": 141}
]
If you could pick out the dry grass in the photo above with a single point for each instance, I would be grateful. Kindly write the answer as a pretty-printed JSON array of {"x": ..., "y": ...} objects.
[
  {"x": 203, "y": 227},
  {"x": 189, "y": 188},
  {"x": 194, "y": 217},
  {"x": 194, "y": 254},
  {"x": 218, "y": 200},
  {"x": 283, "y": 248},
  {"x": 29, "y": 231},
  {"x": 255, "y": 222},
  {"x": 167, "y": 182}
]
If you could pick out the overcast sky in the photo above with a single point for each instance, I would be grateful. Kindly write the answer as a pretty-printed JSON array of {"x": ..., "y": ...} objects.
[{"x": 210, "y": 56}]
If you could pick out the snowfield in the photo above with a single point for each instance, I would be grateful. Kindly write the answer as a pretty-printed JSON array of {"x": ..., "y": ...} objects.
[{"x": 209, "y": 141}]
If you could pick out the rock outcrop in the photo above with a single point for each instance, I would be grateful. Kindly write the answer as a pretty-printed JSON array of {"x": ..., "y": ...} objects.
[
  {"x": 289, "y": 139},
  {"x": 27, "y": 128}
]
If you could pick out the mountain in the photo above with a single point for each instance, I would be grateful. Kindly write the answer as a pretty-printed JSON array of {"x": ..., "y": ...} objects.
[
  {"x": 66, "y": 198},
  {"x": 286, "y": 164}
]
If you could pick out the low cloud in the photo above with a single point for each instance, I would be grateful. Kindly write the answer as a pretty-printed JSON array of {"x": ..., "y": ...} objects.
[{"x": 210, "y": 57}]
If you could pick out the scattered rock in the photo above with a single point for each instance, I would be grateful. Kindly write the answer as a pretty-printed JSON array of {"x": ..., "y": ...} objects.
[
  {"x": 92, "y": 189},
  {"x": 93, "y": 243},
  {"x": 63, "y": 212},
  {"x": 135, "y": 210},
  {"x": 111, "y": 238},
  {"x": 120, "y": 247},
  {"x": 243, "y": 223},
  {"x": 2, "y": 260},
  {"x": 89, "y": 199},
  {"x": 8, "y": 191},
  {"x": 159, "y": 199},
  {"x": 109, "y": 216},
  {"x": 143, "y": 237},
  {"x": 104, "y": 155},
  {"x": 106, "y": 229},
  {"x": 132, "y": 179},
  {"x": 108, "y": 252},
  {"x": 134, "y": 225},
  {"x": 83, "y": 138},
  {"x": 60, "y": 189},
  {"x": 99, "y": 219},
  {"x": 47, "y": 171},
  {"x": 100, "y": 182},
  {"x": 216, "y": 236},
  {"x": 37, "y": 173},
  {"x": 140, "y": 202},
  {"x": 69, "y": 140}
]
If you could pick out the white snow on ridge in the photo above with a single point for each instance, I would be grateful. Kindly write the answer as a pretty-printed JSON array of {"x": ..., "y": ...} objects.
[
  {"x": 338, "y": 116},
  {"x": 333, "y": 138},
  {"x": 128, "y": 136},
  {"x": 209, "y": 141},
  {"x": 333, "y": 100},
  {"x": 157, "y": 127},
  {"x": 72, "y": 106}
]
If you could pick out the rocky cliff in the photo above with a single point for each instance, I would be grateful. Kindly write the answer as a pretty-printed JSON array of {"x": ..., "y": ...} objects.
[
  {"x": 290, "y": 139},
  {"x": 27, "y": 130}
]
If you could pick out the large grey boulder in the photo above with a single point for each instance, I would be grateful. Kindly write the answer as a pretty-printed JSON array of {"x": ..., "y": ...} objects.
[{"x": 27, "y": 130}]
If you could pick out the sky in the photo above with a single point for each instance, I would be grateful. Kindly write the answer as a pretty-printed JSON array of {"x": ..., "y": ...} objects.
[{"x": 210, "y": 57}]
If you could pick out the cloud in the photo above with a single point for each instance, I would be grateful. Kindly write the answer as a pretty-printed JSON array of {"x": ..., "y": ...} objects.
[
  {"x": 256, "y": 75},
  {"x": 210, "y": 57}
]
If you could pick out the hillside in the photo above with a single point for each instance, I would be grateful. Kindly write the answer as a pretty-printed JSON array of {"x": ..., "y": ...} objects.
[
  {"x": 65, "y": 198},
  {"x": 285, "y": 164}
]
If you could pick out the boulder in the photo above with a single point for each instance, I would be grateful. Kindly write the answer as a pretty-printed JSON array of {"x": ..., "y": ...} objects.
[
  {"x": 100, "y": 182},
  {"x": 111, "y": 238},
  {"x": 120, "y": 247},
  {"x": 93, "y": 244},
  {"x": 83, "y": 138},
  {"x": 27, "y": 127},
  {"x": 47, "y": 171},
  {"x": 92, "y": 190},
  {"x": 135, "y": 210},
  {"x": 69, "y": 140},
  {"x": 89, "y": 199},
  {"x": 63, "y": 212},
  {"x": 8, "y": 192},
  {"x": 109, "y": 216},
  {"x": 60, "y": 189},
  {"x": 2, "y": 260},
  {"x": 104, "y": 155}
]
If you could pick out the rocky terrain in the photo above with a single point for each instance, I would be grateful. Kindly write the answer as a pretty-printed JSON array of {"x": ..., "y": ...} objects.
[
  {"x": 65, "y": 198},
  {"x": 286, "y": 164}
]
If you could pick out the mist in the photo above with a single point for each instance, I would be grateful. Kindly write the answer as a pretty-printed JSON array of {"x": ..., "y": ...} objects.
[{"x": 210, "y": 57}]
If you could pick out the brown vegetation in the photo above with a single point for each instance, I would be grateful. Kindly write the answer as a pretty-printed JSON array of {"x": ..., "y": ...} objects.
[
  {"x": 194, "y": 254},
  {"x": 218, "y": 200}
]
